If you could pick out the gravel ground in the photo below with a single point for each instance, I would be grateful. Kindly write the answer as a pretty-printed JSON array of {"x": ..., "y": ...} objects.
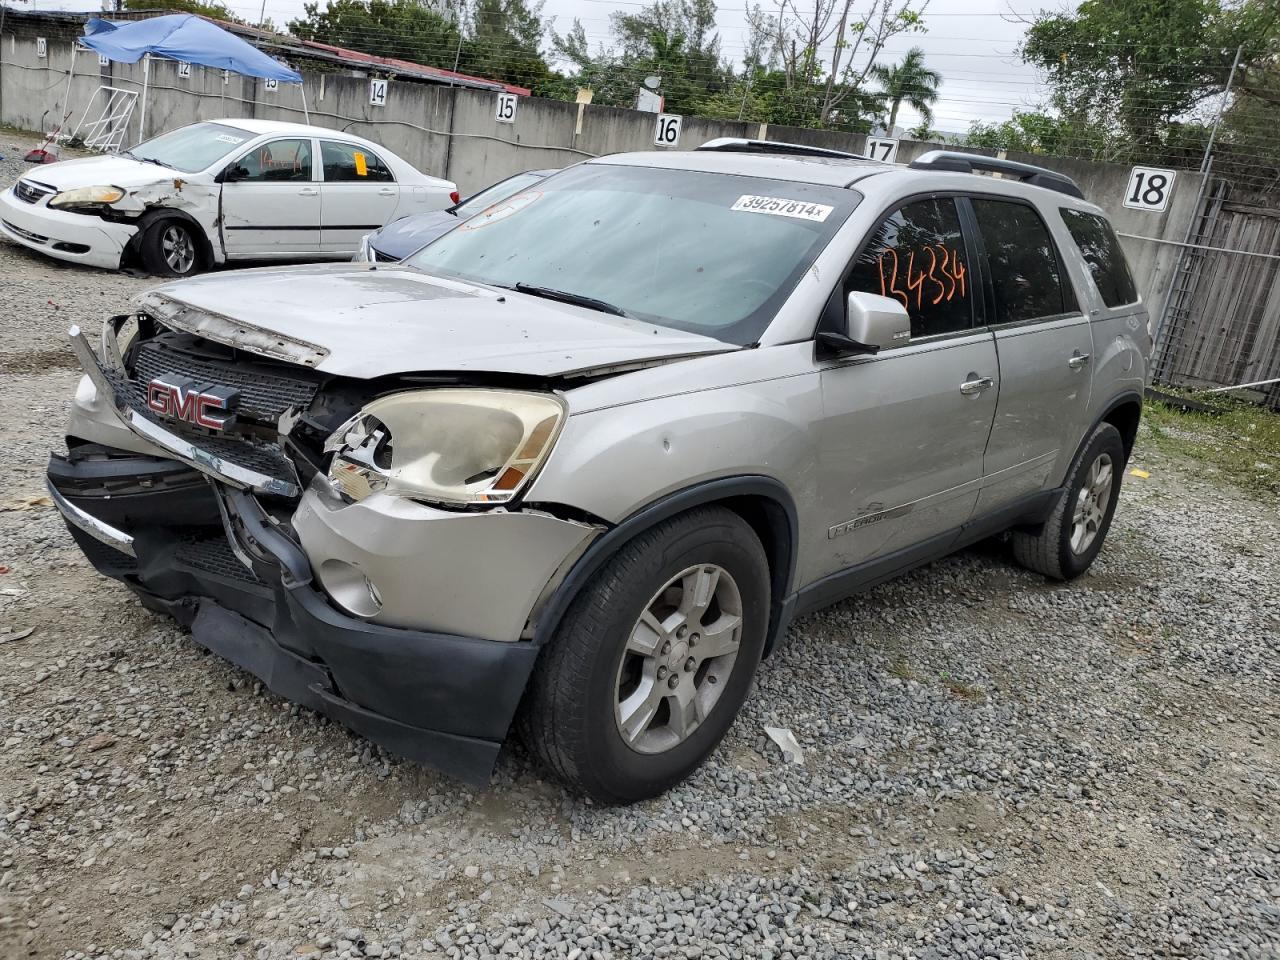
[{"x": 995, "y": 765}]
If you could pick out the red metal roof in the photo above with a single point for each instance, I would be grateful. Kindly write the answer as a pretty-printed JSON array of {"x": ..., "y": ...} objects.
[{"x": 406, "y": 66}]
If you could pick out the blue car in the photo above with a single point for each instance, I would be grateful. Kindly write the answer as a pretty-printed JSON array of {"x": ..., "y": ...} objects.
[{"x": 402, "y": 237}]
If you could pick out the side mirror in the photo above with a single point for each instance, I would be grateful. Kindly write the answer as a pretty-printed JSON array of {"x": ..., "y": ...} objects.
[
  {"x": 872, "y": 323},
  {"x": 233, "y": 173}
]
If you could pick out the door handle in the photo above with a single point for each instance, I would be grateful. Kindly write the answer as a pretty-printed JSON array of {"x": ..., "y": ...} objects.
[
  {"x": 1078, "y": 361},
  {"x": 308, "y": 192},
  {"x": 971, "y": 388},
  {"x": 387, "y": 191}
]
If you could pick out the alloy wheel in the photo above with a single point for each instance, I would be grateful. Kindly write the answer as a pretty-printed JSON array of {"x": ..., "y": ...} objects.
[
  {"x": 178, "y": 248},
  {"x": 678, "y": 659},
  {"x": 1091, "y": 503}
]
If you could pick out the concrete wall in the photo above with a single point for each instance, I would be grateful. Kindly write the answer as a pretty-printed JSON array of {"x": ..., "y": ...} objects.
[{"x": 452, "y": 132}]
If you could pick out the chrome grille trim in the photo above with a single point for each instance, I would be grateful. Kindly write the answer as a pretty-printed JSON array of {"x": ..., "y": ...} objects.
[{"x": 118, "y": 390}]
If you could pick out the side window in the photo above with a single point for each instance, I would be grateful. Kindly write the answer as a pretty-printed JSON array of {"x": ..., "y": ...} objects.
[
  {"x": 917, "y": 255},
  {"x": 350, "y": 163},
  {"x": 1101, "y": 251},
  {"x": 1025, "y": 275},
  {"x": 277, "y": 161}
]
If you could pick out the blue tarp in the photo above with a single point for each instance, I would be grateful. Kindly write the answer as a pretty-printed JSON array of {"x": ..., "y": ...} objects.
[{"x": 183, "y": 36}]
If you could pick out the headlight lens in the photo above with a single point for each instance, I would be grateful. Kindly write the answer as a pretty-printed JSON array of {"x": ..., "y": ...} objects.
[
  {"x": 457, "y": 447},
  {"x": 87, "y": 197}
]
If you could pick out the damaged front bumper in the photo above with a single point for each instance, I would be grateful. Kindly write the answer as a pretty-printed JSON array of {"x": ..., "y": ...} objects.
[
  {"x": 75, "y": 237},
  {"x": 246, "y": 592},
  {"x": 408, "y": 624}
]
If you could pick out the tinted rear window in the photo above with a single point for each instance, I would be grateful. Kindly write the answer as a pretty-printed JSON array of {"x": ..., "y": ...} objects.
[
  {"x": 1025, "y": 274},
  {"x": 1101, "y": 251}
]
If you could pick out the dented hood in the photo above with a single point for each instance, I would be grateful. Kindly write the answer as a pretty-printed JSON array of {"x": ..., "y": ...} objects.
[
  {"x": 112, "y": 171},
  {"x": 357, "y": 321}
]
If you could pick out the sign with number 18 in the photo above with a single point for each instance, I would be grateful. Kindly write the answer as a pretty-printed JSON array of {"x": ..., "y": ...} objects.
[{"x": 1149, "y": 189}]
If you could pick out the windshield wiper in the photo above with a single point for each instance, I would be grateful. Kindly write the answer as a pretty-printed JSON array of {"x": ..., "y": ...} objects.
[
  {"x": 134, "y": 156},
  {"x": 577, "y": 299}
]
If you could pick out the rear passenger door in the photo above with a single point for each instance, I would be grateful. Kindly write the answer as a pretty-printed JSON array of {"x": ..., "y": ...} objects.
[
  {"x": 360, "y": 194},
  {"x": 904, "y": 431},
  {"x": 1045, "y": 348}
]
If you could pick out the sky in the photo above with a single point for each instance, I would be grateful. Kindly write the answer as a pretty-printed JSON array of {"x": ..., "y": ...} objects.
[{"x": 972, "y": 43}]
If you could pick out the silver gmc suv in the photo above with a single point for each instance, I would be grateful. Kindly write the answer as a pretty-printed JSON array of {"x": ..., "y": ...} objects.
[{"x": 575, "y": 465}]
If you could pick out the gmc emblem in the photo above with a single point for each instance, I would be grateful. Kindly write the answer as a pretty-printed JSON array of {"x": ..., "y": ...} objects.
[{"x": 182, "y": 398}]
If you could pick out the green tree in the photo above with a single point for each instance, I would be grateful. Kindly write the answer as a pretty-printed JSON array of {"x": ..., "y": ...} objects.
[
  {"x": 909, "y": 82},
  {"x": 1127, "y": 73},
  {"x": 211, "y": 9},
  {"x": 1035, "y": 132}
]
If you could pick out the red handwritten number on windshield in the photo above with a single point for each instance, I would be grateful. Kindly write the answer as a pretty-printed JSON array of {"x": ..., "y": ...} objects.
[{"x": 933, "y": 273}]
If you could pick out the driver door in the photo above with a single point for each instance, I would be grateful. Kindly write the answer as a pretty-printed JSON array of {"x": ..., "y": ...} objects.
[
  {"x": 271, "y": 201},
  {"x": 904, "y": 431}
]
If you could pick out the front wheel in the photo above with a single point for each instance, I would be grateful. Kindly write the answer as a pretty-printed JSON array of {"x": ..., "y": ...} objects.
[
  {"x": 169, "y": 247},
  {"x": 653, "y": 659},
  {"x": 1070, "y": 539}
]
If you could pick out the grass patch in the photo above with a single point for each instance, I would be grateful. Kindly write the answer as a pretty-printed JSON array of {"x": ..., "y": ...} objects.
[{"x": 1240, "y": 439}]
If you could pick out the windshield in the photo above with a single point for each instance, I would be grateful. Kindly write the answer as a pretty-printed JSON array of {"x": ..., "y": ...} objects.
[
  {"x": 491, "y": 195},
  {"x": 191, "y": 149},
  {"x": 711, "y": 253}
]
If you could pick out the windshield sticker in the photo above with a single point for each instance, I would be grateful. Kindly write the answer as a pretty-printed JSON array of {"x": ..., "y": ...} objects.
[
  {"x": 362, "y": 166},
  {"x": 782, "y": 207},
  {"x": 228, "y": 138},
  {"x": 501, "y": 210}
]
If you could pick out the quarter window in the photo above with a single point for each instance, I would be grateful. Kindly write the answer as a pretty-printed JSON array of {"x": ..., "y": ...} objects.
[
  {"x": 277, "y": 161},
  {"x": 917, "y": 256},
  {"x": 351, "y": 163},
  {"x": 1101, "y": 251},
  {"x": 1025, "y": 274}
]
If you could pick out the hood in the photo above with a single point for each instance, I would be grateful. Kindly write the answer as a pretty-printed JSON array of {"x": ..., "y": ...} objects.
[
  {"x": 103, "y": 171},
  {"x": 359, "y": 321},
  {"x": 402, "y": 237}
]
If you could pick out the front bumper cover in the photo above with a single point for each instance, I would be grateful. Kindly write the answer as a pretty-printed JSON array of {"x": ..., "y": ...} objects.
[{"x": 245, "y": 591}]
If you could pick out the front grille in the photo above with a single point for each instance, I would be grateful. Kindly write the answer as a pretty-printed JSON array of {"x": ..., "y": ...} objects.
[
  {"x": 28, "y": 191},
  {"x": 265, "y": 392},
  {"x": 25, "y": 234}
]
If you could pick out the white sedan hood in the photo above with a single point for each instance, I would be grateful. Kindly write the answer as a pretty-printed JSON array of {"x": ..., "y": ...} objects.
[
  {"x": 102, "y": 171},
  {"x": 356, "y": 321}
]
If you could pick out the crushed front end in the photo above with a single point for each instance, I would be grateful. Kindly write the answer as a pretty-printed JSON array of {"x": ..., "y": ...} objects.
[{"x": 197, "y": 473}]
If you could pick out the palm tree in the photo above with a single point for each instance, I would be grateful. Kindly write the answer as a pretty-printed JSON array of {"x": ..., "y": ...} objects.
[{"x": 910, "y": 81}]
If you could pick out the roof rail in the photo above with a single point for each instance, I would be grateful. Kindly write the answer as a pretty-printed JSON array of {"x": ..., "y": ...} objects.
[
  {"x": 742, "y": 145},
  {"x": 969, "y": 162}
]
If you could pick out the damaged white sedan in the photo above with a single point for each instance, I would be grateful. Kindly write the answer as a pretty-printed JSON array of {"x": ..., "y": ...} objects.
[{"x": 218, "y": 191}]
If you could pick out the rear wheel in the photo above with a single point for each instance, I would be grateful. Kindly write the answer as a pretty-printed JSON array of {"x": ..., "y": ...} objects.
[
  {"x": 169, "y": 247},
  {"x": 653, "y": 659},
  {"x": 1073, "y": 535}
]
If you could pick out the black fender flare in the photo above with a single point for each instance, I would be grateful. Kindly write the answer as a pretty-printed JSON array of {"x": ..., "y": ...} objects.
[
  {"x": 783, "y": 533},
  {"x": 1119, "y": 400}
]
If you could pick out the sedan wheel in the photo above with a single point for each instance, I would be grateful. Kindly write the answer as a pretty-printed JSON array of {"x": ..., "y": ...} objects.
[{"x": 178, "y": 249}]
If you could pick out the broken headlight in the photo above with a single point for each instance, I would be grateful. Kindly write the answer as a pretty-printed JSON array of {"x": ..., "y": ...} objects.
[
  {"x": 455, "y": 447},
  {"x": 85, "y": 197}
]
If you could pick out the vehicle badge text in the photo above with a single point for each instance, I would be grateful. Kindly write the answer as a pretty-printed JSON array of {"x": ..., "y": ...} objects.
[{"x": 202, "y": 405}]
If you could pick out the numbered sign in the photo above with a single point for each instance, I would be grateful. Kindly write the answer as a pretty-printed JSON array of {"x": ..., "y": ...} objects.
[
  {"x": 1149, "y": 189},
  {"x": 667, "y": 132},
  {"x": 42, "y": 47},
  {"x": 884, "y": 149},
  {"x": 226, "y": 77},
  {"x": 184, "y": 70},
  {"x": 104, "y": 60},
  {"x": 270, "y": 84},
  {"x": 377, "y": 92},
  {"x": 506, "y": 112}
]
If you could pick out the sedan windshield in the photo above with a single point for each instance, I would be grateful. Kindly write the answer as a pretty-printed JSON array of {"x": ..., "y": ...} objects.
[
  {"x": 191, "y": 149},
  {"x": 711, "y": 253},
  {"x": 491, "y": 195}
]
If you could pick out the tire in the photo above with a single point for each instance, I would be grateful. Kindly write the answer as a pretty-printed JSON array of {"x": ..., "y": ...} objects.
[
  {"x": 594, "y": 667},
  {"x": 1064, "y": 549},
  {"x": 171, "y": 247}
]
